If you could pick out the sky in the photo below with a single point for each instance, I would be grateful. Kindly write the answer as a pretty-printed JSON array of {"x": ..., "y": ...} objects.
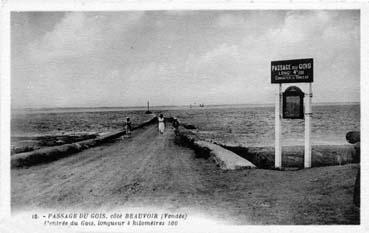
[{"x": 116, "y": 59}]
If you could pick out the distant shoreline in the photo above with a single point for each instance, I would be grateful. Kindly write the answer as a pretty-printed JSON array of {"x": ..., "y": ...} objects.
[{"x": 166, "y": 107}]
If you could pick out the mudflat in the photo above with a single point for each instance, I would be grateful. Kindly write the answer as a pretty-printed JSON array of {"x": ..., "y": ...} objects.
[{"x": 150, "y": 170}]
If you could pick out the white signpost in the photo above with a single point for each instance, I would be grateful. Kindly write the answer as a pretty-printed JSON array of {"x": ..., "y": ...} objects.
[
  {"x": 308, "y": 115},
  {"x": 278, "y": 128},
  {"x": 292, "y": 71}
]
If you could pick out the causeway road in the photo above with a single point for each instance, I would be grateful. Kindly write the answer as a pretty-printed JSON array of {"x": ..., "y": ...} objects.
[{"x": 150, "y": 170}]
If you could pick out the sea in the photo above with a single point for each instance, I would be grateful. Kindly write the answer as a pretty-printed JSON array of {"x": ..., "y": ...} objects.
[{"x": 244, "y": 125}]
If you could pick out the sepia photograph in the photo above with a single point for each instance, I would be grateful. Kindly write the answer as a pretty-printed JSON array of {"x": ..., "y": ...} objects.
[{"x": 234, "y": 116}]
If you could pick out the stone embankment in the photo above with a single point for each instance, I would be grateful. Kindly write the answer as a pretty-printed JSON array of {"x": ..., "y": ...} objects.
[
  {"x": 21, "y": 144},
  {"x": 49, "y": 154},
  {"x": 263, "y": 157},
  {"x": 225, "y": 159}
]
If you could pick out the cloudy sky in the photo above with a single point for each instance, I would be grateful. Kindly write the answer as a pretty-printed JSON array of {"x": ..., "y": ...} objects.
[{"x": 90, "y": 59}]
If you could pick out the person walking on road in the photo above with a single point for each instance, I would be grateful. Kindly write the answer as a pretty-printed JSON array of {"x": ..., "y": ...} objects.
[
  {"x": 175, "y": 124},
  {"x": 161, "y": 123},
  {"x": 128, "y": 127}
]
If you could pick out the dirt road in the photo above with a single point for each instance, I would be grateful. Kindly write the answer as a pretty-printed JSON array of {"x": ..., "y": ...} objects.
[{"x": 150, "y": 170}]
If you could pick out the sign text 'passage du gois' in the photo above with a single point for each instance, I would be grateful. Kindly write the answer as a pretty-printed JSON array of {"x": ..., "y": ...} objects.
[{"x": 292, "y": 71}]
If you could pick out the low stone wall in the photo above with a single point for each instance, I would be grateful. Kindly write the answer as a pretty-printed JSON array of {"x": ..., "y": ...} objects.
[
  {"x": 49, "y": 154},
  {"x": 225, "y": 159}
]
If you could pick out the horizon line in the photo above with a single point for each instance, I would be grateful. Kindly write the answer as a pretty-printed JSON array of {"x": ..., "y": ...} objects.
[{"x": 183, "y": 105}]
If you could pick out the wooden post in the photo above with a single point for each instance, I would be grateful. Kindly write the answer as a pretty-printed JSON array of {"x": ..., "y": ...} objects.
[
  {"x": 278, "y": 146},
  {"x": 308, "y": 115}
]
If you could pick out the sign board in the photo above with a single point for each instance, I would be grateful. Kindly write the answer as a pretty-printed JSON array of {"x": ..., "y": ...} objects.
[
  {"x": 292, "y": 71},
  {"x": 293, "y": 103}
]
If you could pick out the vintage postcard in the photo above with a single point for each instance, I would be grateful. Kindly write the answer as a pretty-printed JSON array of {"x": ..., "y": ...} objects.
[{"x": 207, "y": 117}]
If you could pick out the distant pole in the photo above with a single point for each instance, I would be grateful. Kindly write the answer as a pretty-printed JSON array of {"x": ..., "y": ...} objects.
[
  {"x": 308, "y": 115},
  {"x": 148, "y": 106},
  {"x": 278, "y": 150}
]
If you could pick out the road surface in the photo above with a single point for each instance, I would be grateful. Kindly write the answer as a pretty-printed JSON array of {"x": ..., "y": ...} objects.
[{"x": 150, "y": 170}]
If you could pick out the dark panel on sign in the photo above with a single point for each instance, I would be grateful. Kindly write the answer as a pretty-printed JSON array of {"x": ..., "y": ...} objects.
[
  {"x": 292, "y": 71},
  {"x": 293, "y": 103}
]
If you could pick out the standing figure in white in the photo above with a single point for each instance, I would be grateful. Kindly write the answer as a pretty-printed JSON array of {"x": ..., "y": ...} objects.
[{"x": 161, "y": 123}]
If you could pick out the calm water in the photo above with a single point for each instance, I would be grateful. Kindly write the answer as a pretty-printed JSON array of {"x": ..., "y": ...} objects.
[
  {"x": 254, "y": 126},
  {"x": 248, "y": 126}
]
